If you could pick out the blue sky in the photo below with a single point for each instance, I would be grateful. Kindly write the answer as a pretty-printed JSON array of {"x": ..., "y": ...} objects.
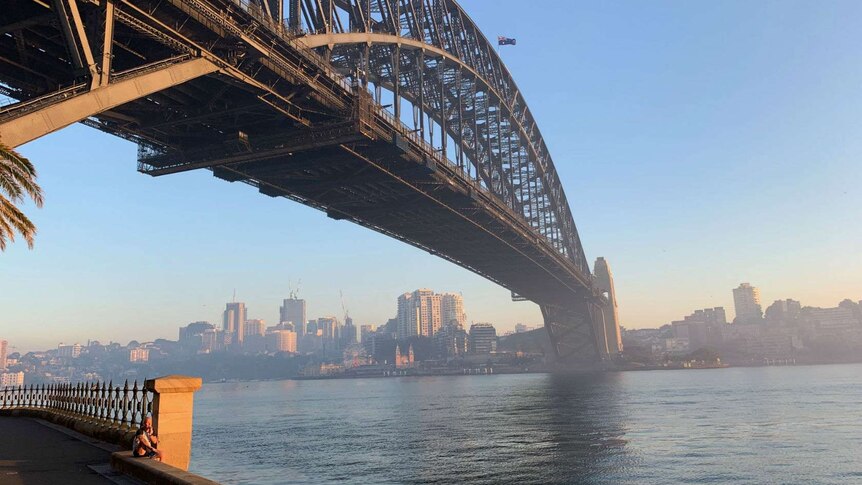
[{"x": 701, "y": 144}]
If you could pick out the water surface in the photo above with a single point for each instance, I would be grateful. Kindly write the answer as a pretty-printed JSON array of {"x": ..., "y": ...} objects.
[{"x": 743, "y": 425}]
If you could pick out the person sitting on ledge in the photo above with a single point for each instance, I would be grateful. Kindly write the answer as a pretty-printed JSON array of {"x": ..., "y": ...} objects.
[{"x": 145, "y": 442}]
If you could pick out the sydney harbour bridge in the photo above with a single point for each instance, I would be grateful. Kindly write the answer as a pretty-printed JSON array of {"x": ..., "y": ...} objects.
[{"x": 397, "y": 115}]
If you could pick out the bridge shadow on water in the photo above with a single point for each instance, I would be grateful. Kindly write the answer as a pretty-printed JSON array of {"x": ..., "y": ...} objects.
[{"x": 532, "y": 428}]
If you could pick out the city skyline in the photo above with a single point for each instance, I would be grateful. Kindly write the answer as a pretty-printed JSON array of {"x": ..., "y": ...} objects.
[{"x": 118, "y": 252}]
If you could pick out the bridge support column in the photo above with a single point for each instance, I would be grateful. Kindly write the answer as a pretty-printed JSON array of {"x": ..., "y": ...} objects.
[{"x": 577, "y": 334}]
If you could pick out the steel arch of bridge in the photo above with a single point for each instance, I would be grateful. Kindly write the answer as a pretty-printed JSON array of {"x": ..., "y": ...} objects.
[
  {"x": 433, "y": 55},
  {"x": 299, "y": 109}
]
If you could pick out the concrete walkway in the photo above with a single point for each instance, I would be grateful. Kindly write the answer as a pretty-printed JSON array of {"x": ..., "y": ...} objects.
[{"x": 34, "y": 453}]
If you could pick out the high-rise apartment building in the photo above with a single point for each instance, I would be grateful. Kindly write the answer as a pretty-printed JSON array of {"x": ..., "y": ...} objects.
[
  {"x": 293, "y": 310},
  {"x": 483, "y": 338},
  {"x": 348, "y": 332},
  {"x": 746, "y": 302},
  {"x": 605, "y": 282},
  {"x": 3, "y": 349},
  {"x": 452, "y": 307},
  {"x": 424, "y": 312},
  {"x": 328, "y": 327},
  {"x": 234, "y": 319}
]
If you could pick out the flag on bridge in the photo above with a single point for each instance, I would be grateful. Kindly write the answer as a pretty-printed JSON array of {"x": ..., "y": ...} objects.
[{"x": 506, "y": 41}]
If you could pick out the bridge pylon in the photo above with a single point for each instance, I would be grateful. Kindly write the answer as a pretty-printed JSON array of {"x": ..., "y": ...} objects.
[{"x": 577, "y": 333}]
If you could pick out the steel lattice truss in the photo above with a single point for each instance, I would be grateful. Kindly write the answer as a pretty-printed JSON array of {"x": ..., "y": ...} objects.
[
  {"x": 396, "y": 115},
  {"x": 430, "y": 53}
]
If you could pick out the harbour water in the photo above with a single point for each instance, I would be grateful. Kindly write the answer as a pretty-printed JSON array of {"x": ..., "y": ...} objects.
[{"x": 778, "y": 425}]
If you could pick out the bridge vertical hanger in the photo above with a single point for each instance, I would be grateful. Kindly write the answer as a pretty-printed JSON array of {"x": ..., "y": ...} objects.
[
  {"x": 294, "y": 16},
  {"x": 396, "y": 81},
  {"x": 107, "y": 43},
  {"x": 67, "y": 11},
  {"x": 444, "y": 114},
  {"x": 420, "y": 67}
]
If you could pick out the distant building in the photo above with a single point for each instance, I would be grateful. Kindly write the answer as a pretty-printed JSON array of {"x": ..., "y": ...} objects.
[
  {"x": 349, "y": 334},
  {"x": 520, "y": 328},
  {"x": 831, "y": 320},
  {"x": 452, "y": 341},
  {"x": 783, "y": 312},
  {"x": 293, "y": 310},
  {"x": 191, "y": 336},
  {"x": 281, "y": 341},
  {"x": 403, "y": 360},
  {"x": 69, "y": 351},
  {"x": 483, "y": 338},
  {"x": 11, "y": 379},
  {"x": 702, "y": 328},
  {"x": 234, "y": 319},
  {"x": 452, "y": 309},
  {"x": 746, "y": 302},
  {"x": 254, "y": 328},
  {"x": 365, "y": 331},
  {"x": 3, "y": 349},
  {"x": 211, "y": 341},
  {"x": 139, "y": 355},
  {"x": 424, "y": 313},
  {"x": 329, "y": 328}
]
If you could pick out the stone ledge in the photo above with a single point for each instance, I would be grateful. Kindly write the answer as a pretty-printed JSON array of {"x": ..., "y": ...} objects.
[
  {"x": 99, "y": 430},
  {"x": 152, "y": 471}
]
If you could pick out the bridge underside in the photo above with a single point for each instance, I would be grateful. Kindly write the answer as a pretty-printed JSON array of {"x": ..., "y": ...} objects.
[{"x": 194, "y": 100}]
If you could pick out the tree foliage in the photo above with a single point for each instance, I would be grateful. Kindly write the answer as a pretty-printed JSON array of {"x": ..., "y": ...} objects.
[{"x": 17, "y": 183}]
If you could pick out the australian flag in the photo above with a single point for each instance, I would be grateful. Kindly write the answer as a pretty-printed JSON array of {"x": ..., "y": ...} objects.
[{"x": 506, "y": 41}]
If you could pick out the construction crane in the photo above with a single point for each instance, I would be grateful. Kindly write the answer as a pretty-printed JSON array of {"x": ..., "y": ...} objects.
[
  {"x": 293, "y": 293},
  {"x": 344, "y": 307}
]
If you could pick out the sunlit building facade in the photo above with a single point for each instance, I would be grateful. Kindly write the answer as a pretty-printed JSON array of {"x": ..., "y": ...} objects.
[{"x": 746, "y": 302}]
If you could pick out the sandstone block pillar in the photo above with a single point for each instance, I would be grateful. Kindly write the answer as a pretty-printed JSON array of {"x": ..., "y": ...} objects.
[{"x": 173, "y": 405}]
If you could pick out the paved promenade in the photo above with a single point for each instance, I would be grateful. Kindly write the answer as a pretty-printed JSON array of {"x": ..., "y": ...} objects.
[{"x": 34, "y": 453}]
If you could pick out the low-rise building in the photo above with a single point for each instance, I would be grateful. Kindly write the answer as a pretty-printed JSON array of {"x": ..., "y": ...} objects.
[{"x": 11, "y": 379}]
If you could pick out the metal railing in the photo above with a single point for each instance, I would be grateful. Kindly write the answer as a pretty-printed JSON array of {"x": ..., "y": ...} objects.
[{"x": 105, "y": 404}]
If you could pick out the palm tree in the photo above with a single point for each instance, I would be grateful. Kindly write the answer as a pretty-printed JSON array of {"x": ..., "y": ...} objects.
[{"x": 17, "y": 182}]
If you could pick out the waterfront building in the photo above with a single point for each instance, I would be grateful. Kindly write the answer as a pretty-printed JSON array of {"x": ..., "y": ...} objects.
[
  {"x": 293, "y": 310},
  {"x": 11, "y": 379},
  {"x": 234, "y": 319},
  {"x": 404, "y": 360},
  {"x": 746, "y": 302},
  {"x": 483, "y": 338},
  {"x": 605, "y": 282}
]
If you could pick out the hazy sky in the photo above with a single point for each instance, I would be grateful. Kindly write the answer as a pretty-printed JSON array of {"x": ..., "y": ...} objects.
[{"x": 701, "y": 144}]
